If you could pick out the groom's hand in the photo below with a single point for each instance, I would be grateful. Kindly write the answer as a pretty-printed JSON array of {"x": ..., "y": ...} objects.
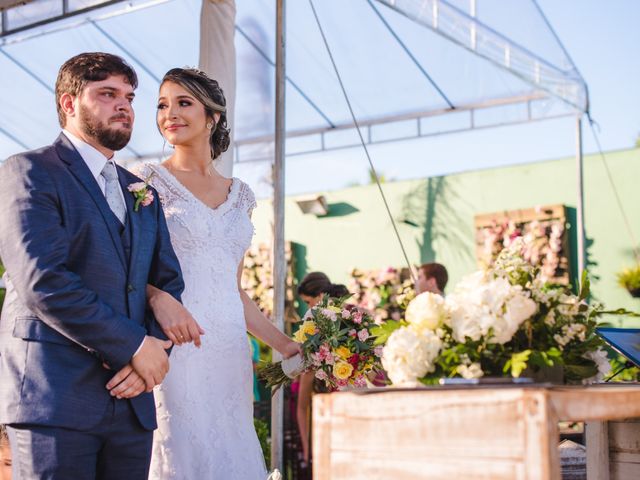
[
  {"x": 152, "y": 361},
  {"x": 126, "y": 383}
]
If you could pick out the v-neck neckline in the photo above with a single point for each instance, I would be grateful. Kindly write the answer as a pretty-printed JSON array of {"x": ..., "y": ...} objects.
[{"x": 181, "y": 186}]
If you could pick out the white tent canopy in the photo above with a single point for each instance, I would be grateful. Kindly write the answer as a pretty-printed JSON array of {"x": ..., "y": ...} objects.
[{"x": 483, "y": 62}]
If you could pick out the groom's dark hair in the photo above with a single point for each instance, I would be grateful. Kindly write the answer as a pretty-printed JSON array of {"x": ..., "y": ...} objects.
[{"x": 76, "y": 72}]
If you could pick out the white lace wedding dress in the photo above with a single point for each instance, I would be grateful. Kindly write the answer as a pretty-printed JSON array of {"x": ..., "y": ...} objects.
[{"x": 205, "y": 404}]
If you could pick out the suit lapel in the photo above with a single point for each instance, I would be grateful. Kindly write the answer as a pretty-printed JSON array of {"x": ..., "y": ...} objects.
[
  {"x": 133, "y": 218},
  {"x": 81, "y": 171}
]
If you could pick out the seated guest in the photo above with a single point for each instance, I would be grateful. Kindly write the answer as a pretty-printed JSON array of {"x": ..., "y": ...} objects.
[
  {"x": 311, "y": 290},
  {"x": 432, "y": 277}
]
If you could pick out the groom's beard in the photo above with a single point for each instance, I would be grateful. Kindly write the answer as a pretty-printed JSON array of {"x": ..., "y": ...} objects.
[{"x": 113, "y": 139}]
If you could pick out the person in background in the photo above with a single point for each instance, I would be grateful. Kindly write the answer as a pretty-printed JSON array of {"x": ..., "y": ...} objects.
[
  {"x": 5, "y": 455},
  {"x": 311, "y": 290},
  {"x": 432, "y": 277},
  {"x": 255, "y": 359}
]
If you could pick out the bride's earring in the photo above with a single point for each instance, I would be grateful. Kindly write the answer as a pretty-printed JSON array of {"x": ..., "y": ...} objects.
[{"x": 209, "y": 125}]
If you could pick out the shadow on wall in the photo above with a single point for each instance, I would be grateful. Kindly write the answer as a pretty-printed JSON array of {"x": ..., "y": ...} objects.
[
  {"x": 590, "y": 263},
  {"x": 341, "y": 209},
  {"x": 434, "y": 206}
]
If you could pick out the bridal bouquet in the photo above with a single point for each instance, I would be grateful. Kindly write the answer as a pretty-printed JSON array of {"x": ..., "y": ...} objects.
[
  {"x": 498, "y": 321},
  {"x": 337, "y": 344}
]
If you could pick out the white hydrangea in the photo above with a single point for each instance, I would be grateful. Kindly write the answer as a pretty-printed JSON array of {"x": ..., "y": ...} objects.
[
  {"x": 470, "y": 371},
  {"x": 408, "y": 355},
  {"x": 481, "y": 304},
  {"x": 427, "y": 311}
]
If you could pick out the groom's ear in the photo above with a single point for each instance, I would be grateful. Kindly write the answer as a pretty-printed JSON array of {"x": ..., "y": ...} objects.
[{"x": 67, "y": 104}]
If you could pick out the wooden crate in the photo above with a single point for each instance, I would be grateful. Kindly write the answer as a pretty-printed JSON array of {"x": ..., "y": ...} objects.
[
  {"x": 615, "y": 450},
  {"x": 454, "y": 433}
]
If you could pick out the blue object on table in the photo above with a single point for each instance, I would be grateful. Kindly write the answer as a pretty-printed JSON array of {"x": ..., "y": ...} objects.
[{"x": 625, "y": 341}]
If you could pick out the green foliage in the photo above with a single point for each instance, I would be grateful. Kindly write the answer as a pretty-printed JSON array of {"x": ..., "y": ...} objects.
[
  {"x": 262, "y": 429},
  {"x": 517, "y": 363},
  {"x": 382, "y": 332},
  {"x": 629, "y": 278}
]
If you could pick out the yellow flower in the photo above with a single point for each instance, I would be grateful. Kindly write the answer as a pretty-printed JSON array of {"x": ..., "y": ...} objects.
[
  {"x": 342, "y": 370},
  {"x": 343, "y": 352},
  {"x": 308, "y": 328},
  {"x": 335, "y": 309}
]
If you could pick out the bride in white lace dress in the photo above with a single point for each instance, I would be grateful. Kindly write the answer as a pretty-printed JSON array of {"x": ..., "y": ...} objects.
[{"x": 205, "y": 404}]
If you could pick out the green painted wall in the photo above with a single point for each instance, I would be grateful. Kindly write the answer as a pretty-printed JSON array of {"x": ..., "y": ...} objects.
[{"x": 438, "y": 219}]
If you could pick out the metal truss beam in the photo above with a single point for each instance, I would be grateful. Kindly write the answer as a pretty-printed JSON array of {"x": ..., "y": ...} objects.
[
  {"x": 468, "y": 32},
  {"x": 413, "y": 128}
]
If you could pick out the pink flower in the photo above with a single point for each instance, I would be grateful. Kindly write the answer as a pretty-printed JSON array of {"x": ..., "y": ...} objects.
[
  {"x": 360, "y": 381},
  {"x": 357, "y": 317},
  {"x": 329, "y": 359},
  {"x": 377, "y": 351},
  {"x": 363, "y": 334},
  {"x": 148, "y": 199},
  {"x": 352, "y": 332},
  {"x": 321, "y": 375},
  {"x": 136, "y": 187},
  {"x": 324, "y": 351},
  {"x": 341, "y": 383},
  {"x": 316, "y": 359},
  {"x": 330, "y": 314},
  {"x": 346, "y": 314}
]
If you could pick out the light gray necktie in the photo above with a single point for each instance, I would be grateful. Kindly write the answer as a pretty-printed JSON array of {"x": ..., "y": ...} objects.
[{"x": 112, "y": 192}]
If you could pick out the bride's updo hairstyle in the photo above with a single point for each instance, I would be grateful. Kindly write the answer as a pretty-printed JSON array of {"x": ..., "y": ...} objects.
[
  {"x": 207, "y": 91},
  {"x": 317, "y": 283}
]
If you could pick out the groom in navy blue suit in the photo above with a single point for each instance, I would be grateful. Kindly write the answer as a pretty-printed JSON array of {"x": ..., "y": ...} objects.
[{"x": 80, "y": 352}]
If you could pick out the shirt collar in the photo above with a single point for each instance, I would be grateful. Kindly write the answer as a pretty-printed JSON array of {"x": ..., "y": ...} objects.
[{"x": 91, "y": 156}]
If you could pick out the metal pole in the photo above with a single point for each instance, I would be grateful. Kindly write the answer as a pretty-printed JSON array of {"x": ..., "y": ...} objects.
[
  {"x": 279, "y": 262},
  {"x": 580, "y": 205}
]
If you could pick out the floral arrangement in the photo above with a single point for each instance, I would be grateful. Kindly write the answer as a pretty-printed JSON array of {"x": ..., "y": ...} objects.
[
  {"x": 337, "y": 345},
  {"x": 498, "y": 321},
  {"x": 543, "y": 242},
  {"x": 384, "y": 292}
]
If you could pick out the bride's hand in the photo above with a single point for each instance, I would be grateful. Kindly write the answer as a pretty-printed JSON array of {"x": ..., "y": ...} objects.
[
  {"x": 291, "y": 349},
  {"x": 175, "y": 320}
]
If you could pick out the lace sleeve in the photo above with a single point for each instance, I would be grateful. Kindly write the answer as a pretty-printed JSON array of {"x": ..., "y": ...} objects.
[{"x": 247, "y": 198}]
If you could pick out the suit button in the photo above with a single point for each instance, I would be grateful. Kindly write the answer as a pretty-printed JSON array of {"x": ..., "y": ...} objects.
[{"x": 130, "y": 288}]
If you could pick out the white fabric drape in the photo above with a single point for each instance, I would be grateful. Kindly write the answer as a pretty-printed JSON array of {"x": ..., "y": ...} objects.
[{"x": 218, "y": 59}]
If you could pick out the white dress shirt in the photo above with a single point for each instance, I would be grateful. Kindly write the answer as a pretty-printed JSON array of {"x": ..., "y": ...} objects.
[{"x": 96, "y": 161}]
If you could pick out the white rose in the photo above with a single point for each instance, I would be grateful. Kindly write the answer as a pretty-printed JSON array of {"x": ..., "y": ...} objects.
[{"x": 426, "y": 311}]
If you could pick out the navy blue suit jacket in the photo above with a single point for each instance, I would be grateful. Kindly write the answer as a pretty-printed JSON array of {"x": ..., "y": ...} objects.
[{"x": 75, "y": 298}]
